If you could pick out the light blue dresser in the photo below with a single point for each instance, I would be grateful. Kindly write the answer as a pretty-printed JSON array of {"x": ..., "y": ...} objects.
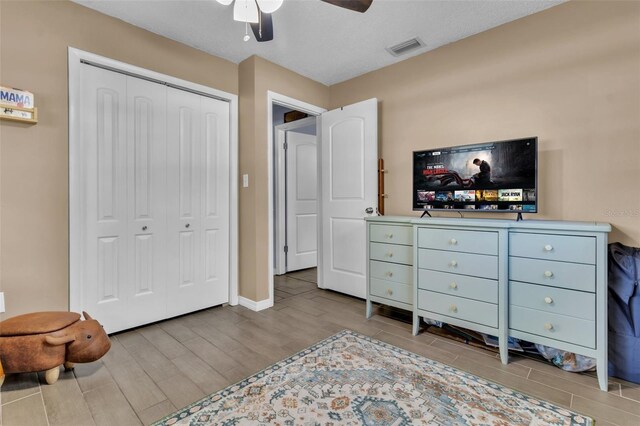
[
  {"x": 541, "y": 281},
  {"x": 389, "y": 262}
]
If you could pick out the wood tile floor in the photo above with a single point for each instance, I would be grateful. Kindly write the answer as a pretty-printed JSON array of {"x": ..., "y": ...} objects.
[{"x": 154, "y": 370}]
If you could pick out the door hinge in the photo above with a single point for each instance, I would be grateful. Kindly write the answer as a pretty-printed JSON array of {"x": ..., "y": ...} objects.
[
  {"x": 285, "y": 146},
  {"x": 286, "y": 249}
]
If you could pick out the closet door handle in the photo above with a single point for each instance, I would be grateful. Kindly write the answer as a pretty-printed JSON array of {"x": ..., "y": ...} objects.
[
  {"x": 144, "y": 228},
  {"x": 187, "y": 225}
]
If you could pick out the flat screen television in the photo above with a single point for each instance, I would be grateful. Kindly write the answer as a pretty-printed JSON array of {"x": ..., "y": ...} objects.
[{"x": 495, "y": 176}]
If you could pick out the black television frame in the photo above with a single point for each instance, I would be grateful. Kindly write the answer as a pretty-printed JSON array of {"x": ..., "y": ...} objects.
[{"x": 518, "y": 212}]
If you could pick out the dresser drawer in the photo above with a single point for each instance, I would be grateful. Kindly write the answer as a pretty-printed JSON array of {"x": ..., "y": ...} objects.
[
  {"x": 476, "y": 265},
  {"x": 391, "y": 234},
  {"x": 564, "y": 248},
  {"x": 458, "y": 307},
  {"x": 553, "y": 326},
  {"x": 555, "y": 300},
  {"x": 391, "y": 272},
  {"x": 390, "y": 290},
  {"x": 459, "y": 285},
  {"x": 391, "y": 253},
  {"x": 480, "y": 242},
  {"x": 575, "y": 276}
]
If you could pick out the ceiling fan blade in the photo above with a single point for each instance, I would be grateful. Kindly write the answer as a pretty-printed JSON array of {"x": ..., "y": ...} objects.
[
  {"x": 356, "y": 5},
  {"x": 263, "y": 30}
]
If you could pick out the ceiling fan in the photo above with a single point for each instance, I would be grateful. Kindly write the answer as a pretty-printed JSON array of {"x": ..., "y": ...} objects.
[{"x": 257, "y": 13}]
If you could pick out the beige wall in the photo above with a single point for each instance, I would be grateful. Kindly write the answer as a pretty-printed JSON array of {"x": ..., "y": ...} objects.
[
  {"x": 254, "y": 239},
  {"x": 570, "y": 75},
  {"x": 34, "y": 37}
]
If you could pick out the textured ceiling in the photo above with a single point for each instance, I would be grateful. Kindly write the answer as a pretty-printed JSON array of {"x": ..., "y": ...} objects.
[{"x": 323, "y": 42}]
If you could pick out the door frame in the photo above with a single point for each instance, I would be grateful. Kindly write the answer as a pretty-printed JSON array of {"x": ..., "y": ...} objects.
[
  {"x": 286, "y": 101},
  {"x": 281, "y": 187},
  {"x": 76, "y": 57}
]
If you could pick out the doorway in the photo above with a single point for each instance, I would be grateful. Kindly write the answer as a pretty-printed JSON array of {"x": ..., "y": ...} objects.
[{"x": 293, "y": 201}]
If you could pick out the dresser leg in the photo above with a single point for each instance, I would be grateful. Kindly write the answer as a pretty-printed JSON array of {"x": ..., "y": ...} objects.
[
  {"x": 416, "y": 324},
  {"x": 369, "y": 309},
  {"x": 603, "y": 375},
  {"x": 504, "y": 353}
]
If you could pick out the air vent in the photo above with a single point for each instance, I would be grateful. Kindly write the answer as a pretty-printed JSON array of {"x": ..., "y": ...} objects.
[{"x": 406, "y": 47}]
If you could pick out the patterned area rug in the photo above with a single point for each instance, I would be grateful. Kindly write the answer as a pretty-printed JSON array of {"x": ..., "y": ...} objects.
[{"x": 350, "y": 379}]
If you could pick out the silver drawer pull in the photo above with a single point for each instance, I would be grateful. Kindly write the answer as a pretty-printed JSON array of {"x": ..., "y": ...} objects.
[
  {"x": 453, "y": 286},
  {"x": 453, "y": 308},
  {"x": 453, "y": 241},
  {"x": 548, "y": 247},
  {"x": 389, "y": 274},
  {"x": 389, "y": 254},
  {"x": 548, "y": 326},
  {"x": 389, "y": 291},
  {"x": 548, "y": 274},
  {"x": 548, "y": 300},
  {"x": 388, "y": 236},
  {"x": 453, "y": 263}
]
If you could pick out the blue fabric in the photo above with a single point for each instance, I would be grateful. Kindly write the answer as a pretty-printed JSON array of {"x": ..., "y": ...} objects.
[{"x": 624, "y": 312}]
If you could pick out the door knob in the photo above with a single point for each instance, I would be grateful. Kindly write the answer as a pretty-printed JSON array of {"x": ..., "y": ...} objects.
[
  {"x": 368, "y": 210},
  {"x": 144, "y": 228},
  {"x": 187, "y": 225}
]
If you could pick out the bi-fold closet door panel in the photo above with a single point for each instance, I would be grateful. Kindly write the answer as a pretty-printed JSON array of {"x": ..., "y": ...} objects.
[
  {"x": 198, "y": 210},
  {"x": 156, "y": 197},
  {"x": 104, "y": 178}
]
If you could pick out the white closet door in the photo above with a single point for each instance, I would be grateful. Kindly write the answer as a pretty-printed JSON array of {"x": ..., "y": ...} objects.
[
  {"x": 146, "y": 183},
  {"x": 215, "y": 196},
  {"x": 184, "y": 220},
  {"x": 198, "y": 201},
  {"x": 302, "y": 201},
  {"x": 104, "y": 168}
]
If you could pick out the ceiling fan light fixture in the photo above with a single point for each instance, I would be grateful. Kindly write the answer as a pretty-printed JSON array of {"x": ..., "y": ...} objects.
[
  {"x": 245, "y": 11},
  {"x": 269, "y": 6}
]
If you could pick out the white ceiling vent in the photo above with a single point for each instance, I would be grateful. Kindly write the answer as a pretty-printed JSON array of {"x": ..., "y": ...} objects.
[{"x": 406, "y": 47}]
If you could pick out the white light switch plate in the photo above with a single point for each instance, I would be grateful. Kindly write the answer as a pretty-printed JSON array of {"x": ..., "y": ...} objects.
[{"x": 245, "y": 181}]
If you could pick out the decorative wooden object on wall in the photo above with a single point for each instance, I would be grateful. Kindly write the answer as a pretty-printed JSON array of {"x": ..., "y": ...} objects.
[
  {"x": 17, "y": 105},
  {"x": 23, "y": 115},
  {"x": 381, "y": 194}
]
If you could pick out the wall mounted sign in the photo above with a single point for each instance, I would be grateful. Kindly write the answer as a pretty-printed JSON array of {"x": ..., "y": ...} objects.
[{"x": 17, "y": 105}]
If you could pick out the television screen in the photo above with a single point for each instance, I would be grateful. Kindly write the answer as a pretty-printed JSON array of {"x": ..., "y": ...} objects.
[{"x": 495, "y": 176}]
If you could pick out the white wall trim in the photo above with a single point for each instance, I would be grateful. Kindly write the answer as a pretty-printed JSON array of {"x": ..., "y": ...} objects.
[
  {"x": 255, "y": 306},
  {"x": 75, "y": 58},
  {"x": 276, "y": 98}
]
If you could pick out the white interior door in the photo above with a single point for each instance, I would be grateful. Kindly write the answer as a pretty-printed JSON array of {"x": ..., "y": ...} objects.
[
  {"x": 302, "y": 200},
  {"x": 104, "y": 167},
  {"x": 146, "y": 182},
  {"x": 198, "y": 200},
  {"x": 349, "y": 185}
]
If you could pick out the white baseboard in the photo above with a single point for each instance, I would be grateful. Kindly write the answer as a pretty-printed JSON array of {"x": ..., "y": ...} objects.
[{"x": 255, "y": 306}]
